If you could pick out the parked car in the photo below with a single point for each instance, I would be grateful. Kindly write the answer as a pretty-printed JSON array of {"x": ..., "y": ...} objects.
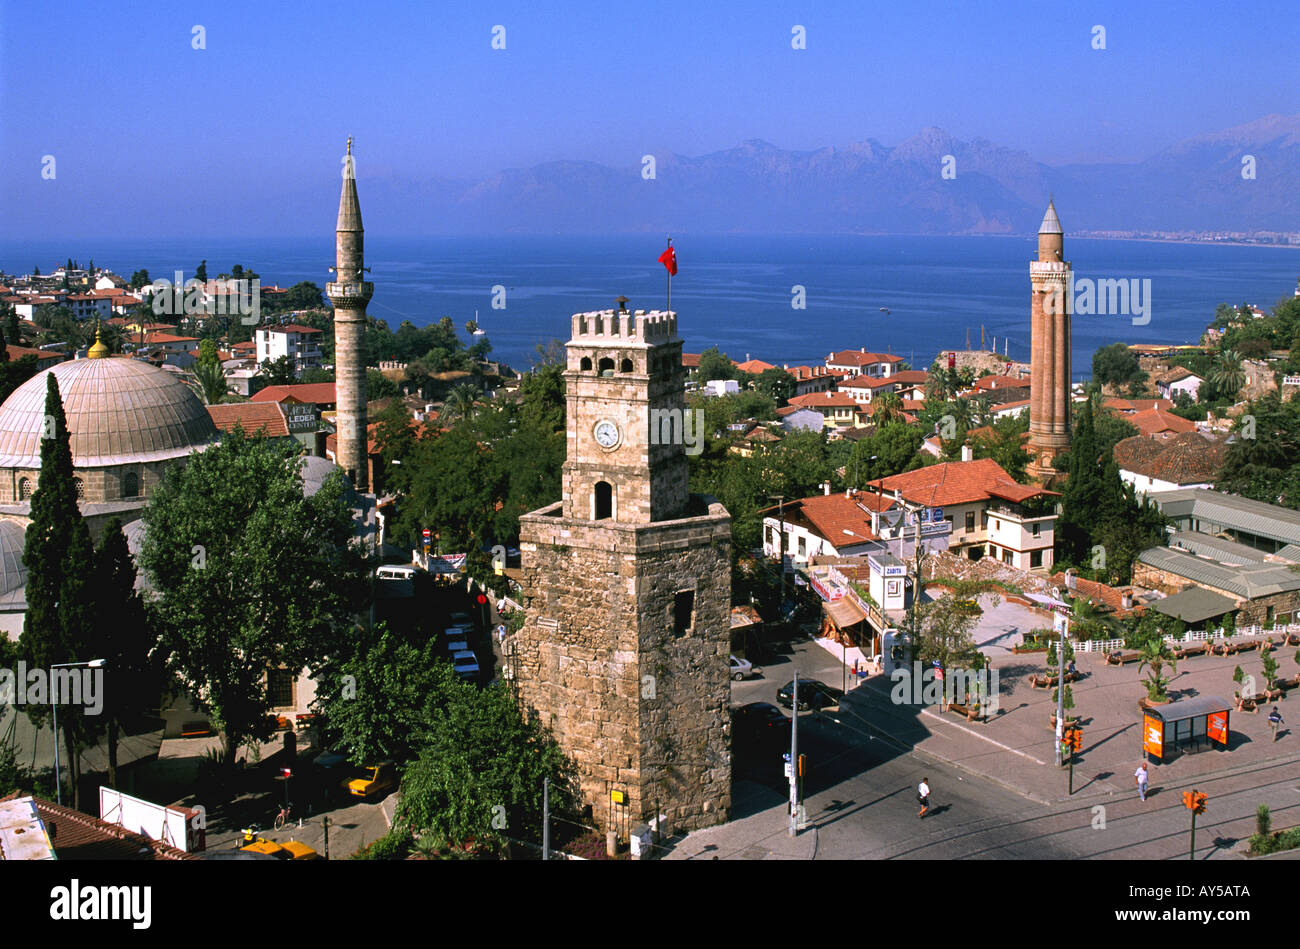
[
  {"x": 253, "y": 843},
  {"x": 455, "y": 640},
  {"x": 461, "y": 618},
  {"x": 760, "y": 723},
  {"x": 378, "y": 780},
  {"x": 466, "y": 664},
  {"x": 812, "y": 694},
  {"x": 741, "y": 669}
]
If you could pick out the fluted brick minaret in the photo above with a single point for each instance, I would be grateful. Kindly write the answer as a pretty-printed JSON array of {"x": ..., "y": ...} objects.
[
  {"x": 1049, "y": 381},
  {"x": 349, "y": 295}
]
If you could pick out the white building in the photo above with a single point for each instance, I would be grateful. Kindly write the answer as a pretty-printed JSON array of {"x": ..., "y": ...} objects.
[
  {"x": 1178, "y": 380},
  {"x": 299, "y": 343}
]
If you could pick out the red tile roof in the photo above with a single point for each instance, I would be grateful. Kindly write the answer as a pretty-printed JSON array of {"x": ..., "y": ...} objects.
[
  {"x": 1154, "y": 421},
  {"x": 1186, "y": 458},
  {"x": 755, "y": 366},
  {"x": 291, "y": 328},
  {"x": 18, "y": 352},
  {"x": 868, "y": 382},
  {"x": 78, "y": 836},
  {"x": 819, "y": 400},
  {"x": 911, "y": 377},
  {"x": 832, "y": 514},
  {"x": 690, "y": 360},
  {"x": 859, "y": 357},
  {"x": 959, "y": 482},
  {"x": 1136, "y": 405},
  {"x": 998, "y": 382},
  {"x": 252, "y": 417},
  {"x": 322, "y": 393}
]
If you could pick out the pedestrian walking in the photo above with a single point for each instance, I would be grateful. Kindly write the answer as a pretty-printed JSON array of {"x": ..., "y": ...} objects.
[
  {"x": 1274, "y": 720},
  {"x": 1141, "y": 776},
  {"x": 923, "y": 796}
]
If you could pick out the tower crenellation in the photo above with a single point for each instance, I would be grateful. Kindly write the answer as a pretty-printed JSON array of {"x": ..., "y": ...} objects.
[{"x": 628, "y": 585}]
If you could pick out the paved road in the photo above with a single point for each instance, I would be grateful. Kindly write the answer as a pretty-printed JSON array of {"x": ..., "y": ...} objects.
[{"x": 860, "y": 797}]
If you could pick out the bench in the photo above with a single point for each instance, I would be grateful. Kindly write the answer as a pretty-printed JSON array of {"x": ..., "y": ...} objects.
[
  {"x": 1287, "y": 685},
  {"x": 1226, "y": 649},
  {"x": 1118, "y": 658},
  {"x": 1245, "y": 705},
  {"x": 1042, "y": 681},
  {"x": 195, "y": 730},
  {"x": 972, "y": 712},
  {"x": 1188, "y": 651}
]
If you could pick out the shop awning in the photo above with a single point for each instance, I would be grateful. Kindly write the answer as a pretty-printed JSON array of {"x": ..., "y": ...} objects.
[{"x": 844, "y": 614}]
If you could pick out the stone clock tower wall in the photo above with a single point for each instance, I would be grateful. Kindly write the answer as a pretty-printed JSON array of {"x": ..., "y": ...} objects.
[{"x": 624, "y": 650}]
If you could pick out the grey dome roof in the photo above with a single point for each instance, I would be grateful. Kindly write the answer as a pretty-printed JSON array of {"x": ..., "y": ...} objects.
[
  {"x": 13, "y": 575},
  {"x": 119, "y": 410}
]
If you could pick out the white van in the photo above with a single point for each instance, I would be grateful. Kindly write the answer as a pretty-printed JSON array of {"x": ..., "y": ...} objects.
[{"x": 396, "y": 572}]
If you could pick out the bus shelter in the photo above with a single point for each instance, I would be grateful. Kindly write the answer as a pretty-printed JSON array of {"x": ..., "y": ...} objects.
[{"x": 1188, "y": 724}]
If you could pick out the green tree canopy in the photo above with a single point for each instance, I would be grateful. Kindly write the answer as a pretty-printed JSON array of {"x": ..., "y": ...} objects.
[{"x": 252, "y": 576}]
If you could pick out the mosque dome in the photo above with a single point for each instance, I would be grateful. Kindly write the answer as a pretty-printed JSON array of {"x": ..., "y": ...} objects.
[{"x": 120, "y": 411}]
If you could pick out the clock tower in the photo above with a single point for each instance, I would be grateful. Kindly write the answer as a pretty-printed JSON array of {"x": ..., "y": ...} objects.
[{"x": 624, "y": 651}]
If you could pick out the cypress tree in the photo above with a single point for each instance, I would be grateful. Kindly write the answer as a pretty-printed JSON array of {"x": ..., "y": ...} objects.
[
  {"x": 1082, "y": 497},
  {"x": 58, "y": 555},
  {"x": 124, "y": 638}
]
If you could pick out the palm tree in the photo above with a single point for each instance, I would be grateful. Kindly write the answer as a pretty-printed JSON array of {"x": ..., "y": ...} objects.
[
  {"x": 1155, "y": 653},
  {"x": 212, "y": 381},
  {"x": 1228, "y": 375},
  {"x": 460, "y": 403},
  {"x": 889, "y": 405},
  {"x": 1092, "y": 623}
]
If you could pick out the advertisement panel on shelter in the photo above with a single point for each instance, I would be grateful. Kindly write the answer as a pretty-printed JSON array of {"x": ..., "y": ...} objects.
[
  {"x": 1153, "y": 736},
  {"x": 1217, "y": 727}
]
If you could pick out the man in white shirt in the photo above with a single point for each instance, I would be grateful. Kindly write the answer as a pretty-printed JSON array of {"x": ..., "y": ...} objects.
[
  {"x": 1141, "y": 776},
  {"x": 923, "y": 795}
]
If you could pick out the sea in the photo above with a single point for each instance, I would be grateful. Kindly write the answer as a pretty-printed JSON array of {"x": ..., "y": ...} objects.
[{"x": 787, "y": 300}]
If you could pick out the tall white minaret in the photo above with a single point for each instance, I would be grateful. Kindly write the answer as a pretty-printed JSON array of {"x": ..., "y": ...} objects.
[{"x": 349, "y": 294}]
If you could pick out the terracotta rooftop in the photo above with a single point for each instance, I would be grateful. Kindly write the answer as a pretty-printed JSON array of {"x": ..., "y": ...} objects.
[
  {"x": 868, "y": 382},
  {"x": 831, "y": 515},
  {"x": 959, "y": 482},
  {"x": 998, "y": 382},
  {"x": 911, "y": 377},
  {"x": 860, "y": 357},
  {"x": 1186, "y": 458},
  {"x": 322, "y": 393},
  {"x": 1112, "y": 597},
  {"x": 1136, "y": 405},
  {"x": 818, "y": 400},
  {"x": 690, "y": 360},
  {"x": 78, "y": 836},
  {"x": 252, "y": 417},
  {"x": 755, "y": 366},
  {"x": 1154, "y": 421}
]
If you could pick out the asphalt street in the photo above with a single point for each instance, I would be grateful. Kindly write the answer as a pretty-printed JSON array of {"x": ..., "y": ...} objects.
[{"x": 860, "y": 795}]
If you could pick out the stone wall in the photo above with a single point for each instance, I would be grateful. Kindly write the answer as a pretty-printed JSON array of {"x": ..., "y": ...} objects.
[{"x": 638, "y": 708}]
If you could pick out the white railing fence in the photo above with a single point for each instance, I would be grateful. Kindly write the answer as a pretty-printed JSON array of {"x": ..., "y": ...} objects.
[{"x": 1191, "y": 636}]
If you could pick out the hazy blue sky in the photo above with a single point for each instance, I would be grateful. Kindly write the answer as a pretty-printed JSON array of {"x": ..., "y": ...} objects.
[{"x": 141, "y": 124}]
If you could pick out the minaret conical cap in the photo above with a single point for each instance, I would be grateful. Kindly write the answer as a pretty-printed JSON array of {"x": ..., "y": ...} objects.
[
  {"x": 349, "y": 206},
  {"x": 1051, "y": 223}
]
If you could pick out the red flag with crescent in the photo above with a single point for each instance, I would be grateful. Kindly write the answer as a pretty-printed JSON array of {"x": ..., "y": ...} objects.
[{"x": 669, "y": 259}]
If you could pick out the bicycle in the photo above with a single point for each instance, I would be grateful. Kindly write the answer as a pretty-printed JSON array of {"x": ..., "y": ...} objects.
[{"x": 285, "y": 816}]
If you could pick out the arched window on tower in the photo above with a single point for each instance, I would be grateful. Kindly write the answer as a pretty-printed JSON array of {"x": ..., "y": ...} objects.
[
  {"x": 24, "y": 489},
  {"x": 603, "y": 501},
  {"x": 606, "y": 366},
  {"x": 585, "y": 365},
  {"x": 625, "y": 366},
  {"x": 131, "y": 485}
]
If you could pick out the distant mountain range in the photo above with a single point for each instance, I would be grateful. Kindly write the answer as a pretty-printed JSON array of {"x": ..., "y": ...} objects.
[{"x": 870, "y": 188}]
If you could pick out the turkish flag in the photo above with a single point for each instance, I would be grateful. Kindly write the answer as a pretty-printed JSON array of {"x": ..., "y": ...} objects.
[{"x": 669, "y": 259}]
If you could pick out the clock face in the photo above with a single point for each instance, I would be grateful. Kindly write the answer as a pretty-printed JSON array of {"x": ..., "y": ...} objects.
[{"x": 607, "y": 434}]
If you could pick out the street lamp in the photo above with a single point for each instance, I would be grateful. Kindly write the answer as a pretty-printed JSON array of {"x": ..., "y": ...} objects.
[{"x": 54, "y": 707}]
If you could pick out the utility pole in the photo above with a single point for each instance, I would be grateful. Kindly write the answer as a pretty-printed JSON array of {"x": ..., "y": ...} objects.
[
  {"x": 1060, "y": 688},
  {"x": 546, "y": 818},
  {"x": 325, "y": 823},
  {"x": 794, "y": 758}
]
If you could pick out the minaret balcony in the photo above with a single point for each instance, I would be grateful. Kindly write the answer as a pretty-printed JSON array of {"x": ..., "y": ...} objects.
[{"x": 350, "y": 294}]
